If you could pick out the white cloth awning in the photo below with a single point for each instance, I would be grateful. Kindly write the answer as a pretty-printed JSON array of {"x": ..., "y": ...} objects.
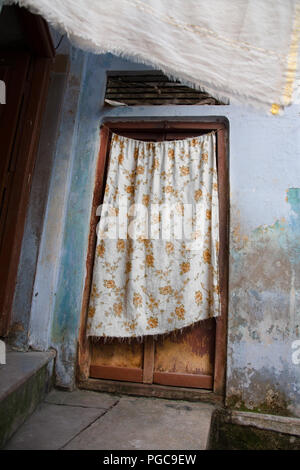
[{"x": 244, "y": 51}]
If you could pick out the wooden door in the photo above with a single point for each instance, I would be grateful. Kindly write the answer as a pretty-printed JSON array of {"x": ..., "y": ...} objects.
[
  {"x": 184, "y": 359},
  {"x": 25, "y": 69},
  {"x": 13, "y": 71},
  {"x": 194, "y": 357}
]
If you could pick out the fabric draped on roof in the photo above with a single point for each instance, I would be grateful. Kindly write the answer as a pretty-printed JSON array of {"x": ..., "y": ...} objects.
[{"x": 244, "y": 51}]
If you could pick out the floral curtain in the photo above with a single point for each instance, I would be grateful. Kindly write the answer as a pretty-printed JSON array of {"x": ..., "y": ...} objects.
[{"x": 156, "y": 261}]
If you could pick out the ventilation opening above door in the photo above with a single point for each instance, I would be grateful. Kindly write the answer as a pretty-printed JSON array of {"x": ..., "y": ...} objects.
[{"x": 133, "y": 89}]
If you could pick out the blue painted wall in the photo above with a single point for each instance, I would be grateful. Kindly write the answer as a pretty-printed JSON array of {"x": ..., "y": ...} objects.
[{"x": 264, "y": 285}]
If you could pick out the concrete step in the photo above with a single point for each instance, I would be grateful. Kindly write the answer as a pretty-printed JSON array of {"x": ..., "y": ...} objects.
[
  {"x": 25, "y": 380},
  {"x": 86, "y": 420}
]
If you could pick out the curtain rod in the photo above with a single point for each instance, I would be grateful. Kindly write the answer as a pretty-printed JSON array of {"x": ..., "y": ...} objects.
[{"x": 166, "y": 126}]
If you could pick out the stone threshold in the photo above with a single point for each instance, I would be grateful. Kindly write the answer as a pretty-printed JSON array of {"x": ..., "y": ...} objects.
[
  {"x": 151, "y": 390},
  {"x": 267, "y": 422}
]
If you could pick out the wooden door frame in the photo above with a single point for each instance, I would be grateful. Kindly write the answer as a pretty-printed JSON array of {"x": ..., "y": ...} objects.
[
  {"x": 42, "y": 53},
  {"x": 84, "y": 349}
]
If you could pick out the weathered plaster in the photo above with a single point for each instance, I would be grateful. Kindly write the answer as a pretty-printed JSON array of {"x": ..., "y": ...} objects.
[
  {"x": 54, "y": 222},
  {"x": 264, "y": 313},
  {"x": 36, "y": 211}
]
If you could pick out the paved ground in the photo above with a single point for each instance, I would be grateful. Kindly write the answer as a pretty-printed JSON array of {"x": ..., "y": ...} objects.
[{"x": 91, "y": 420}]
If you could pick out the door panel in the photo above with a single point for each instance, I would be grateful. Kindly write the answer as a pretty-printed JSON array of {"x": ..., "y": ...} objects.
[
  {"x": 189, "y": 352},
  {"x": 186, "y": 358},
  {"x": 117, "y": 360}
]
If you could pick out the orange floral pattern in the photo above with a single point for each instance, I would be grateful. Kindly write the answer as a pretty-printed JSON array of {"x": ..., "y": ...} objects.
[{"x": 146, "y": 284}]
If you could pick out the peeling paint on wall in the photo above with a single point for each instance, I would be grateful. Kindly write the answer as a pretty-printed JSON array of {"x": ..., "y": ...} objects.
[{"x": 264, "y": 314}]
